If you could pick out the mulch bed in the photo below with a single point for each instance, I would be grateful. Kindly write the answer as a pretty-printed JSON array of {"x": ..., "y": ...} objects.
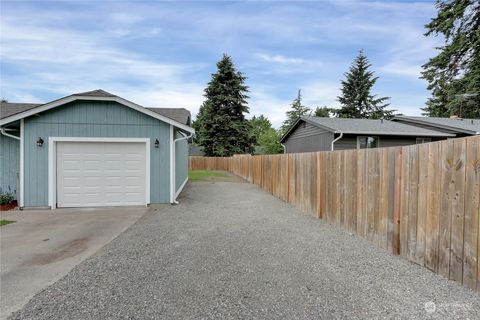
[{"x": 10, "y": 206}]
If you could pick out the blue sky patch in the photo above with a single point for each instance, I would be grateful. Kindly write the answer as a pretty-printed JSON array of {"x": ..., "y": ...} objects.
[{"x": 161, "y": 54}]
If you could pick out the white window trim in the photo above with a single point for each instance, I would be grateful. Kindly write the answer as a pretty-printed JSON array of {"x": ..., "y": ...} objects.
[
  {"x": 362, "y": 136},
  {"x": 52, "y": 165}
]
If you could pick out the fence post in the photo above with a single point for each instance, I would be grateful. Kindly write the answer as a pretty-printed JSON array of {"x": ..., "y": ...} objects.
[{"x": 397, "y": 201}]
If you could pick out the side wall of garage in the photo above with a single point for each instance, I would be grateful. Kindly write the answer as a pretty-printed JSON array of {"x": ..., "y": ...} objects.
[
  {"x": 93, "y": 119},
  {"x": 181, "y": 161},
  {"x": 9, "y": 165}
]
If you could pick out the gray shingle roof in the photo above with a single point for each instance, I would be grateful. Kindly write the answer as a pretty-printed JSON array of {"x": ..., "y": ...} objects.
[
  {"x": 8, "y": 109},
  {"x": 368, "y": 126},
  {"x": 181, "y": 115},
  {"x": 95, "y": 93},
  {"x": 471, "y": 126}
]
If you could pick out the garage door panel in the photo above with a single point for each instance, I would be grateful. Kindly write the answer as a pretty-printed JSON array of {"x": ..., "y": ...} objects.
[{"x": 101, "y": 174}]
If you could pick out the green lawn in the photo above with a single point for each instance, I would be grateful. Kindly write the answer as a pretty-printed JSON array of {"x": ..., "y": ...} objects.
[
  {"x": 204, "y": 175},
  {"x": 5, "y": 222}
]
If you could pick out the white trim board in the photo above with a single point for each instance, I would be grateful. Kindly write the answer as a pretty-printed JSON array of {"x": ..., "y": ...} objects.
[
  {"x": 172, "y": 165},
  {"x": 52, "y": 166},
  {"x": 21, "y": 179},
  {"x": 62, "y": 101}
]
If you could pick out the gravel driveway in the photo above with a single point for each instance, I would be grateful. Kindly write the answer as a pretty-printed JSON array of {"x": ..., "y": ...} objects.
[{"x": 232, "y": 251}]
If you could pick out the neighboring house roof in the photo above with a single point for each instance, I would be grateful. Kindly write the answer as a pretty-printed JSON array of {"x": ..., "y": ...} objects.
[
  {"x": 8, "y": 109},
  {"x": 181, "y": 115},
  {"x": 194, "y": 150},
  {"x": 10, "y": 112},
  {"x": 468, "y": 126},
  {"x": 365, "y": 126}
]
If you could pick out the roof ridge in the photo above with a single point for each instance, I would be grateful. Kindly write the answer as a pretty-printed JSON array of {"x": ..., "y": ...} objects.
[{"x": 96, "y": 92}]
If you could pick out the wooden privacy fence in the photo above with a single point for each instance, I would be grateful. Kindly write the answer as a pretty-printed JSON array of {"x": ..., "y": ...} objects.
[{"x": 421, "y": 202}]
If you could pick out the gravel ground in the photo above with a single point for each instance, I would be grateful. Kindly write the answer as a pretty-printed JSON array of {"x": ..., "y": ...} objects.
[{"x": 232, "y": 251}]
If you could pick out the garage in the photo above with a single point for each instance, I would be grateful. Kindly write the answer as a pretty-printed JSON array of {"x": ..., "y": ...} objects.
[
  {"x": 93, "y": 149},
  {"x": 94, "y": 174}
]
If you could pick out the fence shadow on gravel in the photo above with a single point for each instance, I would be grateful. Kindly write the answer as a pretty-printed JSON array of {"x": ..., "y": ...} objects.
[{"x": 421, "y": 202}]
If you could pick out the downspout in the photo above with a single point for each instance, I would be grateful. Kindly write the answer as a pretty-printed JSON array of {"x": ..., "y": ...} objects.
[
  {"x": 174, "y": 191},
  {"x": 284, "y": 148},
  {"x": 9, "y": 135},
  {"x": 335, "y": 140}
]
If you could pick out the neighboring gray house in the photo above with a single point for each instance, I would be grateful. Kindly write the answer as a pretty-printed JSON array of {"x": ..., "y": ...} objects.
[
  {"x": 310, "y": 134},
  {"x": 92, "y": 149},
  {"x": 457, "y": 126}
]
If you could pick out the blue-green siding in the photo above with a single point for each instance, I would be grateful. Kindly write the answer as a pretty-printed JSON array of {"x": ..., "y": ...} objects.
[
  {"x": 181, "y": 161},
  {"x": 93, "y": 119},
  {"x": 9, "y": 165}
]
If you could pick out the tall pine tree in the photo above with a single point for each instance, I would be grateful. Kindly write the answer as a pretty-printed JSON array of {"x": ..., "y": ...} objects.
[
  {"x": 296, "y": 111},
  {"x": 222, "y": 128},
  {"x": 357, "y": 99},
  {"x": 454, "y": 73}
]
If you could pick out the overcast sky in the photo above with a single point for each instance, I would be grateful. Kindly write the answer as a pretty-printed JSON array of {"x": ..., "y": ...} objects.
[{"x": 161, "y": 54}]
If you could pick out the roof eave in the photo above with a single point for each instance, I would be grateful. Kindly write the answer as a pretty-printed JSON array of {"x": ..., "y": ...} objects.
[
  {"x": 306, "y": 119},
  {"x": 409, "y": 134},
  {"x": 437, "y": 125}
]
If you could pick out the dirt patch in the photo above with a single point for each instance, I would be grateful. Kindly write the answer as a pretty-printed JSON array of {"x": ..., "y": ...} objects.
[{"x": 68, "y": 250}]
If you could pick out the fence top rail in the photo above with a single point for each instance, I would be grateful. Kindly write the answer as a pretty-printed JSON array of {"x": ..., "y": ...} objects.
[{"x": 373, "y": 150}]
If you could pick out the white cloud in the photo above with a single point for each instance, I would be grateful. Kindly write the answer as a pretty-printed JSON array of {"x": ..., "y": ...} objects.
[
  {"x": 85, "y": 62},
  {"x": 281, "y": 46},
  {"x": 125, "y": 18},
  {"x": 265, "y": 101},
  {"x": 320, "y": 93},
  {"x": 278, "y": 58},
  {"x": 402, "y": 69}
]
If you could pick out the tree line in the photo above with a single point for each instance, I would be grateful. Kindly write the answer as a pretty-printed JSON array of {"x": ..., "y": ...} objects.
[{"x": 453, "y": 77}]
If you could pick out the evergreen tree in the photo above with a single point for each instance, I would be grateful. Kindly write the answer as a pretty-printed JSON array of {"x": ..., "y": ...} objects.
[
  {"x": 323, "y": 112},
  {"x": 454, "y": 74},
  {"x": 357, "y": 99},
  {"x": 297, "y": 110},
  {"x": 222, "y": 128}
]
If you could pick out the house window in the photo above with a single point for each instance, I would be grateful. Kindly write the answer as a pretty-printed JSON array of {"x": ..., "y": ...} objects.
[
  {"x": 423, "y": 140},
  {"x": 367, "y": 142}
]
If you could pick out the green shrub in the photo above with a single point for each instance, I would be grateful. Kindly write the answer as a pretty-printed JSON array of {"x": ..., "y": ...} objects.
[{"x": 6, "y": 198}]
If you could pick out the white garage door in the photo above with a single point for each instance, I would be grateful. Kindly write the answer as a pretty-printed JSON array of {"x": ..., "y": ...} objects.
[{"x": 91, "y": 174}]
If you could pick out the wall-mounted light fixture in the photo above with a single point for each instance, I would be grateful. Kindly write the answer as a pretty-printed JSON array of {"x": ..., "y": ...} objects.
[
  {"x": 39, "y": 142},
  {"x": 157, "y": 143}
]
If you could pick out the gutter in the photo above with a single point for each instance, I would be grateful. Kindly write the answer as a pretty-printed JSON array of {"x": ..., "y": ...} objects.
[
  {"x": 335, "y": 140},
  {"x": 174, "y": 191},
  {"x": 3, "y": 131}
]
